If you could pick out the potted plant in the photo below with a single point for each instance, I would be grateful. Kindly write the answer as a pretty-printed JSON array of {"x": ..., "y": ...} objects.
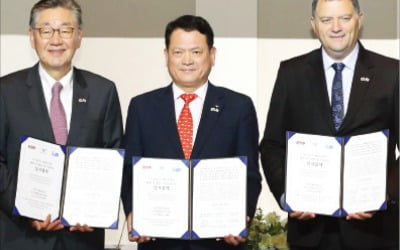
[{"x": 267, "y": 232}]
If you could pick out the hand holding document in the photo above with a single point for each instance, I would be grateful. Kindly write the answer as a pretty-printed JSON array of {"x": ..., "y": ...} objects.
[
  {"x": 75, "y": 184},
  {"x": 336, "y": 175},
  {"x": 189, "y": 199}
]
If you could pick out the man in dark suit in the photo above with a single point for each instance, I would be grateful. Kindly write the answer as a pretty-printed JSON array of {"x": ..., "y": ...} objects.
[
  {"x": 224, "y": 122},
  {"x": 301, "y": 102},
  {"x": 91, "y": 118}
]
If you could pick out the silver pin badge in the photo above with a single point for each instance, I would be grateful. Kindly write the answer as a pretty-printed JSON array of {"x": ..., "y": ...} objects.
[
  {"x": 215, "y": 108},
  {"x": 82, "y": 100},
  {"x": 364, "y": 79}
]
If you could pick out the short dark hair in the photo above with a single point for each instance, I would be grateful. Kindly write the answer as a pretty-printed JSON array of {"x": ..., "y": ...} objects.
[
  {"x": 51, "y": 4},
  {"x": 355, "y": 3},
  {"x": 190, "y": 23}
]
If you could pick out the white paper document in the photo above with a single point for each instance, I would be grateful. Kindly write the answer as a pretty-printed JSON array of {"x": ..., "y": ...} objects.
[
  {"x": 336, "y": 175},
  {"x": 219, "y": 197},
  {"x": 160, "y": 203},
  {"x": 40, "y": 173},
  {"x": 75, "y": 184},
  {"x": 364, "y": 180},
  {"x": 184, "y": 199},
  {"x": 93, "y": 187}
]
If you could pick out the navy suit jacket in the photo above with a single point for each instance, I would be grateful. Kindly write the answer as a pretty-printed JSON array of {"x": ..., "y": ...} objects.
[
  {"x": 300, "y": 103},
  {"x": 151, "y": 131},
  {"x": 94, "y": 123}
]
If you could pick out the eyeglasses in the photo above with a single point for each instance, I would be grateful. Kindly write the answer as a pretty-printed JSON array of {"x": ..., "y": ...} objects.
[{"x": 48, "y": 32}]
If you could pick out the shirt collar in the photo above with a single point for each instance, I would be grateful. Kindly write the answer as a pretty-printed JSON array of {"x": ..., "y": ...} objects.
[
  {"x": 66, "y": 81},
  {"x": 349, "y": 60},
  {"x": 200, "y": 92}
]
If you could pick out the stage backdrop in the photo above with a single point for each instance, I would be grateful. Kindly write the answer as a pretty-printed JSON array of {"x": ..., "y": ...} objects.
[{"x": 123, "y": 40}]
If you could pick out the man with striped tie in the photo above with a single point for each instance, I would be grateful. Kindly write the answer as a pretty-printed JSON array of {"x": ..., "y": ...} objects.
[{"x": 340, "y": 89}]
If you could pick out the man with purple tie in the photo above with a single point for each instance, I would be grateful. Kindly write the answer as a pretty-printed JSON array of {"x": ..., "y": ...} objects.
[{"x": 55, "y": 102}]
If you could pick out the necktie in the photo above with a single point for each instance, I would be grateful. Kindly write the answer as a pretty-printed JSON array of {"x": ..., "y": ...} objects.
[
  {"x": 185, "y": 125},
  {"x": 337, "y": 105},
  {"x": 57, "y": 115}
]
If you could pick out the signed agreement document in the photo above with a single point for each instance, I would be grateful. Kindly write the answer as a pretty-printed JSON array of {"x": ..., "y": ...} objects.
[
  {"x": 76, "y": 184},
  {"x": 184, "y": 199},
  {"x": 336, "y": 175}
]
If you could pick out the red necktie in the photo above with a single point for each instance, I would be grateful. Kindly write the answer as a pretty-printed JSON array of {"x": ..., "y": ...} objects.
[
  {"x": 185, "y": 125},
  {"x": 57, "y": 115}
]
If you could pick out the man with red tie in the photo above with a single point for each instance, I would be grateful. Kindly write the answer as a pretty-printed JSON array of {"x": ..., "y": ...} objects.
[{"x": 193, "y": 119}]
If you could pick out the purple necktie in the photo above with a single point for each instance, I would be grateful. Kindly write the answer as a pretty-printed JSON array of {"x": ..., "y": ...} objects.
[{"x": 57, "y": 115}]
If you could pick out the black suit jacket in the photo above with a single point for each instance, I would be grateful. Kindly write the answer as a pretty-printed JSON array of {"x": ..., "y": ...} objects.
[
  {"x": 151, "y": 131},
  {"x": 300, "y": 103},
  {"x": 94, "y": 123}
]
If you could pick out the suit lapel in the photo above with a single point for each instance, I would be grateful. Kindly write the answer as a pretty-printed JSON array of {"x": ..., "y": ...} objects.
[
  {"x": 165, "y": 107},
  {"x": 318, "y": 88},
  {"x": 212, "y": 108},
  {"x": 38, "y": 104},
  {"x": 362, "y": 79},
  {"x": 80, "y": 102}
]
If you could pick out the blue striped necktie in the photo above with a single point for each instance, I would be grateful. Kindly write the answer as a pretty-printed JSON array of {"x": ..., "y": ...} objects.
[{"x": 337, "y": 105}]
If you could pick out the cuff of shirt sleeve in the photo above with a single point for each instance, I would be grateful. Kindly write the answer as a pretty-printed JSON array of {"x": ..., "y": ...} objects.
[{"x": 282, "y": 201}]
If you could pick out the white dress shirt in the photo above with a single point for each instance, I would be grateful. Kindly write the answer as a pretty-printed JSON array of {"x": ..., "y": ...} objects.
[
  {"x": 195, "y": 106},
  {"x": 65, "y": 94},
  {"x": 347, "y": 73}
]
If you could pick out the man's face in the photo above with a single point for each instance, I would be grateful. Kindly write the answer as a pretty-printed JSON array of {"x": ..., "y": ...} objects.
[
  {"x": 189, "y": 59},
  {"x": 337, "y": 26},
  {"x": 56, "y": 53}
]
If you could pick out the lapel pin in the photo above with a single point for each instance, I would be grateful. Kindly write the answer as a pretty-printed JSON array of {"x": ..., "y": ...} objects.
[
  {"x": 80, "y": 100},
  {"x": 364, "y": 79},
  {"x": 215, "y": 108}
]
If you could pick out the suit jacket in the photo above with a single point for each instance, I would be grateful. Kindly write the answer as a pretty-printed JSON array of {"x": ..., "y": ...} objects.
[
  {"x": 94, "y": 123},
  {"x": 300, "y": 103},
  {"x": 151, "y": 131}
]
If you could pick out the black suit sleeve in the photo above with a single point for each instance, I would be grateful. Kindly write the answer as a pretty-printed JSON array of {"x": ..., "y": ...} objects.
[
  {"x": 7, "y": 188},
  {"x": 273, "y": 144},
  {"x": 112, "y": 126},
  {"x": 132, "y": 147},
  {"x": 7, "y": 179},
  {"x": 247, "y": 145},
  {"x": 393, "y": 166}
]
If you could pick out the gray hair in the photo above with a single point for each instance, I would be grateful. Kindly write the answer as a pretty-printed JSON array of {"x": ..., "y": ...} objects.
[
  {"x": 355, "y": 3},
  {"x": 51, "y": 4}
]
